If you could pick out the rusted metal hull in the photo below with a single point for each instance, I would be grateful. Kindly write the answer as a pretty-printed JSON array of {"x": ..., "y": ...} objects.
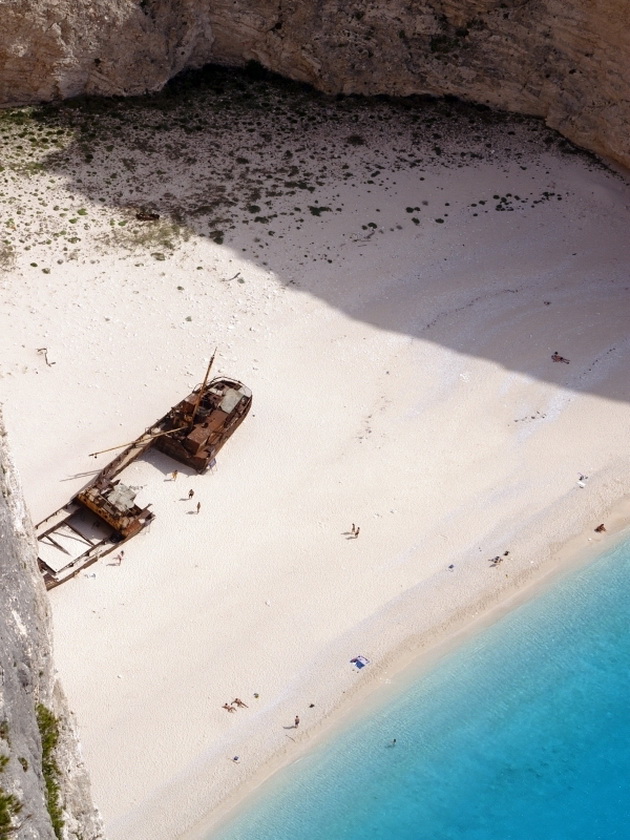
[
  {"x": 220, "y": 410},
  {"x": 73, "y": 538},
  {"x": 103, "y": 515}
]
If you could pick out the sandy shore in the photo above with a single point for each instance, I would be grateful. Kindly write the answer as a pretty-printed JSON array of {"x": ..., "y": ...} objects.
[{"x": 394, "y": 314}]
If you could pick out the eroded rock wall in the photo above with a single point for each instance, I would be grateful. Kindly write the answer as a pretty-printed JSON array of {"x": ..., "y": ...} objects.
[
  {"x": 28, "y": 681},
  {"x": 567, "y": 61}
]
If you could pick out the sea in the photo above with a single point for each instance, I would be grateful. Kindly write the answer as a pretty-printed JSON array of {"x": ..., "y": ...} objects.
[{"x": 522, "y": 733}]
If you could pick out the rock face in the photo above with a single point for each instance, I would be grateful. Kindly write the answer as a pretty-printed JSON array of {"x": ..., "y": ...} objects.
[
  {"x": 567, "y": 61},
  {"x": 33, "y": 711}
]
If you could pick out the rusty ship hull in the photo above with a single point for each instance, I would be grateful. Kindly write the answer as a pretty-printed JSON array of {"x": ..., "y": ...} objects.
[
  {"x": 104, "y": 514},
  {"x": 218, "y": 410}
]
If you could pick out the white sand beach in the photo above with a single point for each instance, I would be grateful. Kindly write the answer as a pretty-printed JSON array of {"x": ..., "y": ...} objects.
[{"x": 402, "y": 380}]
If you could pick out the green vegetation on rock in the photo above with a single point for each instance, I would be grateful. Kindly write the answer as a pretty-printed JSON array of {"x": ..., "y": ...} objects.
[
  {"x": 10, "y": 806},
  {"x": 49, "y": 731}
]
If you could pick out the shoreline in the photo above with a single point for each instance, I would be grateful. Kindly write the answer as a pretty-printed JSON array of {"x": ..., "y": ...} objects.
[
  {"x": 408, "y": 663},
  {"x": 410, "y": 659}
]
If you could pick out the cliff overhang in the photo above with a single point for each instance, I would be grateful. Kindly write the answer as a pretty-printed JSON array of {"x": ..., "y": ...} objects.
[{"x": 566, "y": 62}]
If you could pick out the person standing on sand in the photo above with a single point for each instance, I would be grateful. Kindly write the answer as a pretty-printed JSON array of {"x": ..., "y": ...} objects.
[
  {"x": 174, "y": 475},
  {"x": 118, "y": 559},
  {"x": 191, "y": 493},
  {"x": 198, "y": 506},
  {"x": 297, "y": 722},
  {"x": 356, "y": 533}
]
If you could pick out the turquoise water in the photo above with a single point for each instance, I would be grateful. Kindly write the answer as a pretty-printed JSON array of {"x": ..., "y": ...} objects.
[{"x": 522, "y": 734}]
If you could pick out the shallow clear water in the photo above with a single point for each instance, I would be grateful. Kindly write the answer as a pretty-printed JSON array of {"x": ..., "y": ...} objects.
[{"x": 522, "y": 733}]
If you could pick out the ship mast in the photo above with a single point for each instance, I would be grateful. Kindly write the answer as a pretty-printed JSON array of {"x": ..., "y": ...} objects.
[
  {"x": 138, "y": 442},
  {"x": 202, "y": 389}
]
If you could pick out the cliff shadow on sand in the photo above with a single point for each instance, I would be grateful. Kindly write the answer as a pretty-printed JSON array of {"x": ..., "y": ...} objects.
[{"x": 453, "y": 208}]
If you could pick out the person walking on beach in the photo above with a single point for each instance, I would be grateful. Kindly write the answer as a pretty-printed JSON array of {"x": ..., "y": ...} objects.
[
  {"x": 174, "y": 475},
  {"x": 118, "y": 559},
  {"x": 297, "y": 722},
  {"x": 191, "y": 493},
  {"x": 356, "y": 532},
  {"x": 198, "y": 506}
]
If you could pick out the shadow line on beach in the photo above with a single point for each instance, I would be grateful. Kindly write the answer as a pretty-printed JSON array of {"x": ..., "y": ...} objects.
[{"x": 269, "y": 196}]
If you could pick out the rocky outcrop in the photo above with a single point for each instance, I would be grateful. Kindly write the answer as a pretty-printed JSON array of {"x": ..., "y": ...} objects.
[
  {"x": 44, "y": 789},
  {"x": 567, "y": 61}
]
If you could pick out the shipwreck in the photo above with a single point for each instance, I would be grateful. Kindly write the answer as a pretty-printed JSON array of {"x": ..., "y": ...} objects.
[{"x": 104, "y": 513}]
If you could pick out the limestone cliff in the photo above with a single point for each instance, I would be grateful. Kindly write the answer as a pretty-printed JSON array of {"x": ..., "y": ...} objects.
[
  {"x": 44, "y": 790},
  {"x": 567, "y": 61}
]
